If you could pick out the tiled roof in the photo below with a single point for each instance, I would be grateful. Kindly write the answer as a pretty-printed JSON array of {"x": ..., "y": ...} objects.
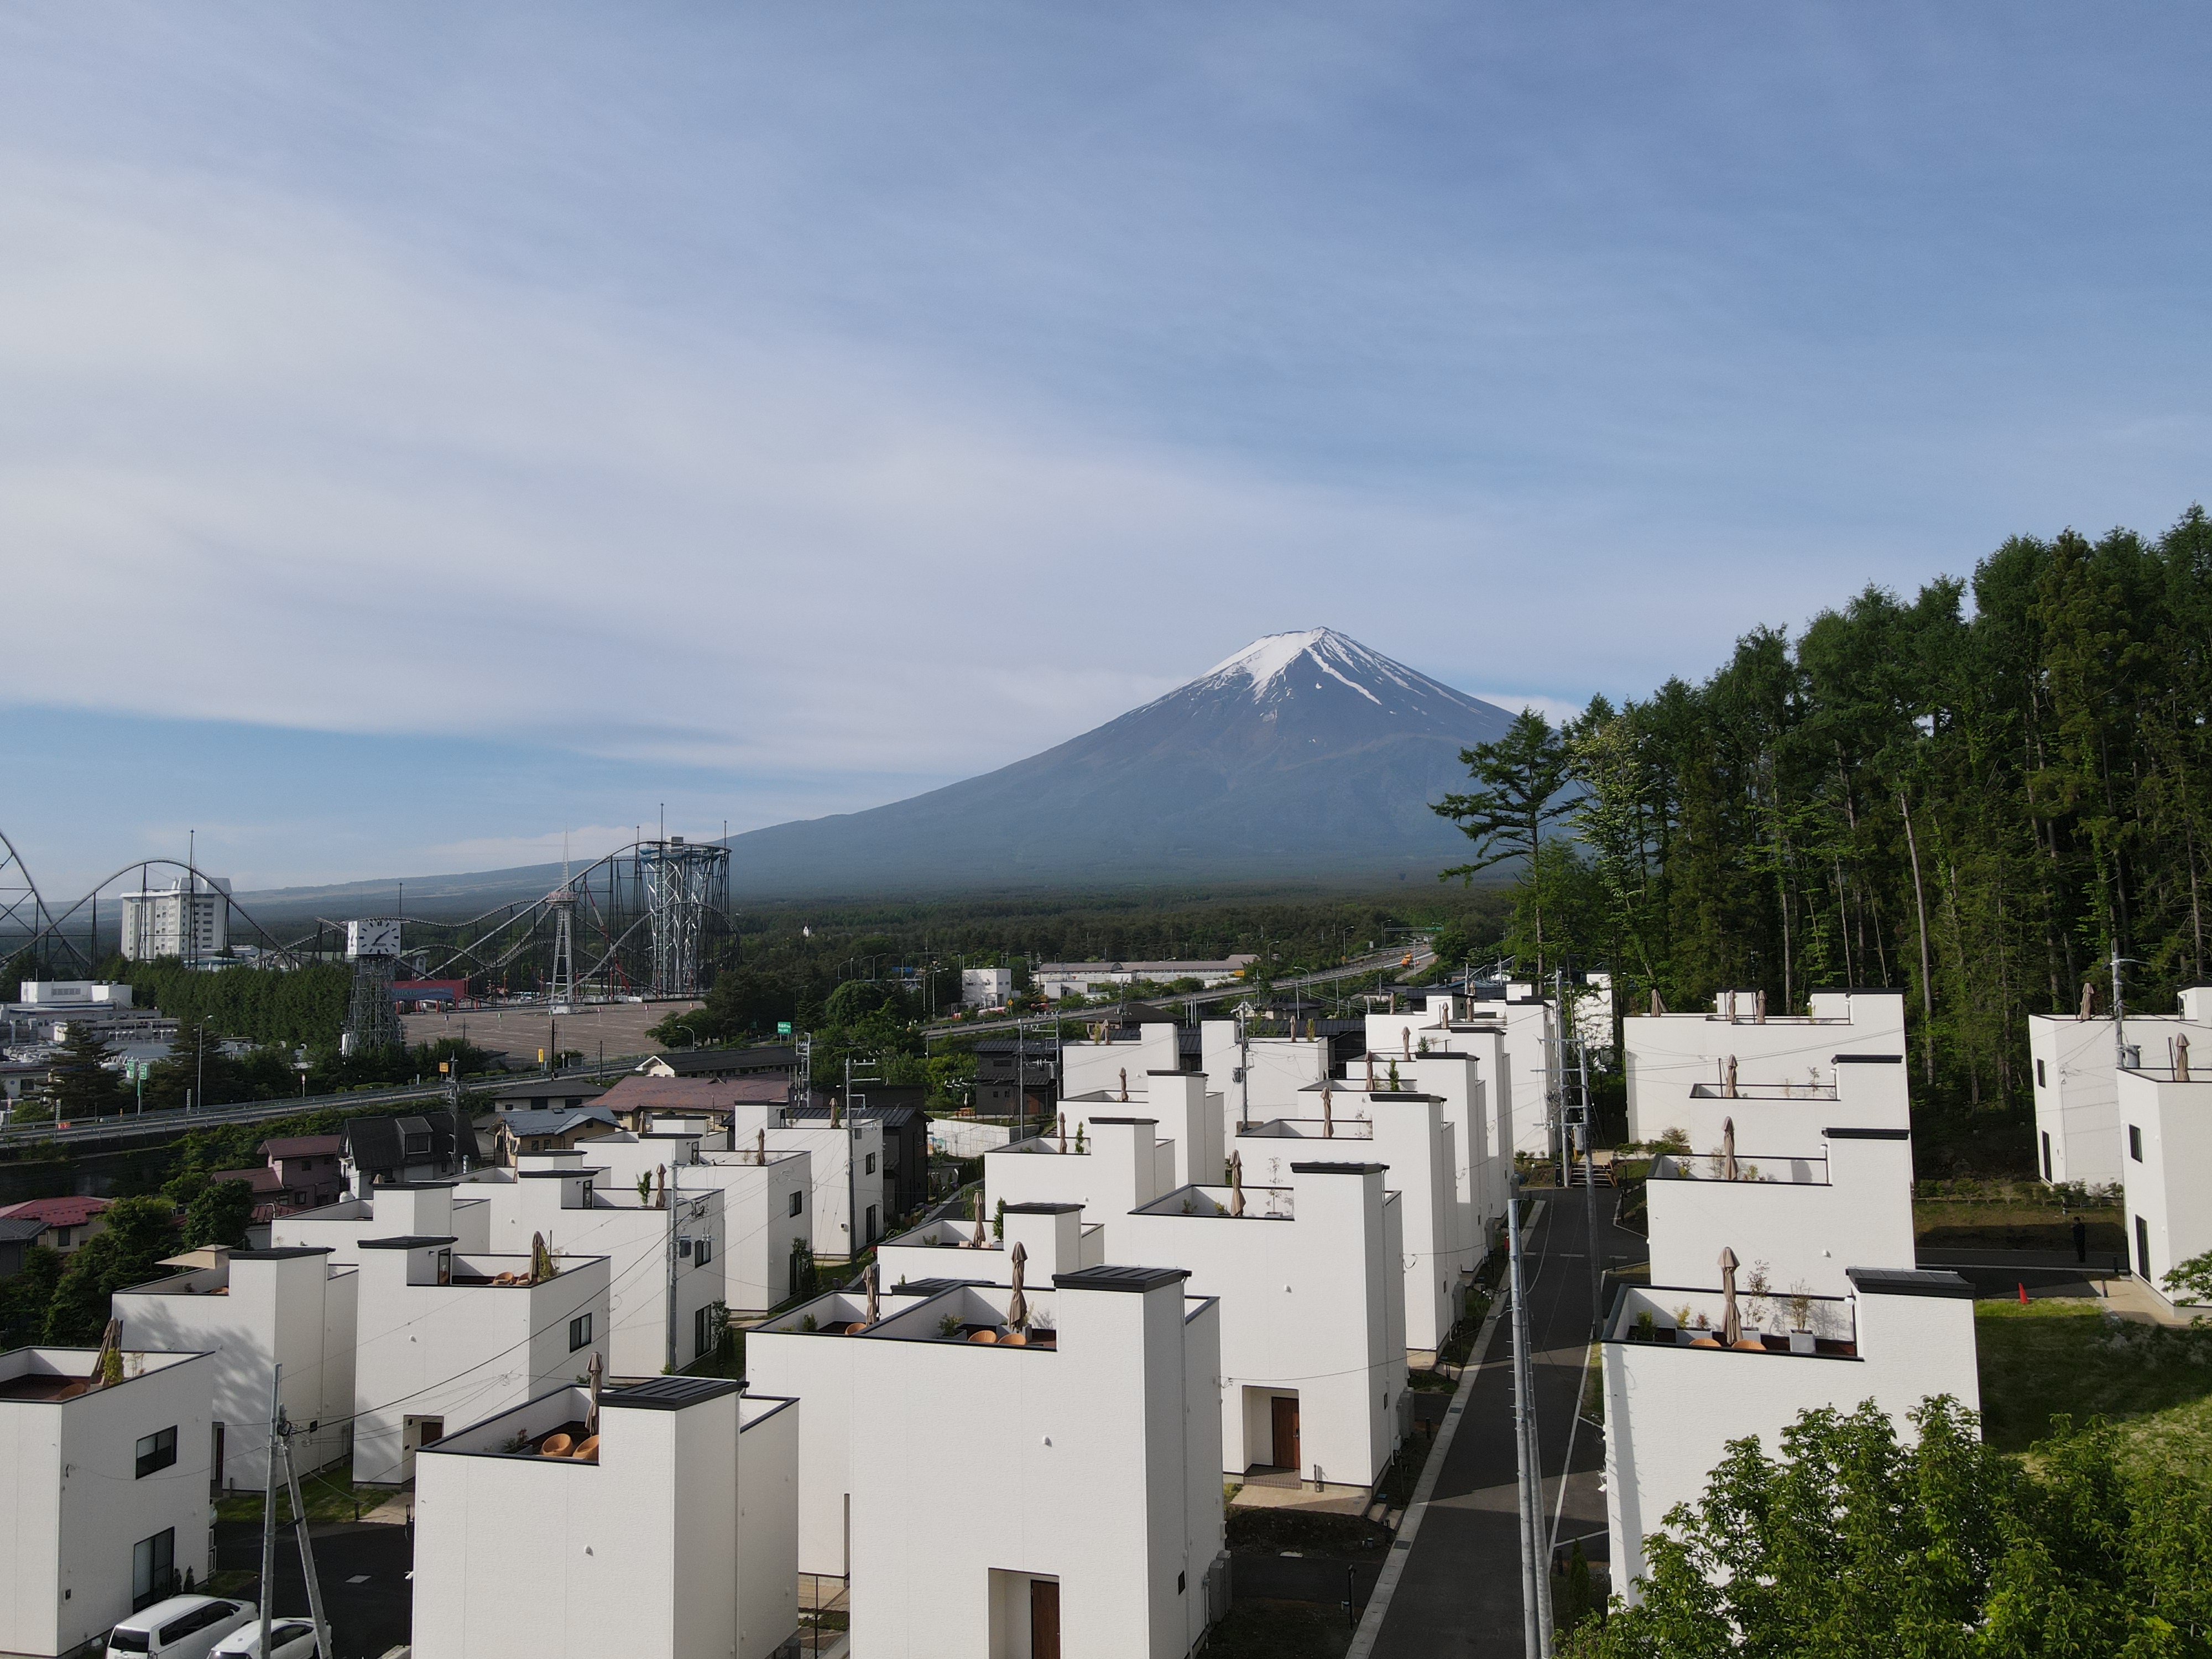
[
  {"x": 58, "y": 1212},
  {"x": 697, "y": 1094},
  {"x": 301, "y": 1147},
  {"x": 556, "y": 1120}
]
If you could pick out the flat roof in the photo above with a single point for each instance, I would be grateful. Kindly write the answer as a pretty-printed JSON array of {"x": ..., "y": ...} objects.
[
  {"x": 668, "y": 1394},
  {"x": 1139, "y": 1280}
]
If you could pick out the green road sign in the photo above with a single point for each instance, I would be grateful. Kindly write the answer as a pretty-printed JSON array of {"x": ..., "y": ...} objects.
[{"x": 783, "y": 1027}]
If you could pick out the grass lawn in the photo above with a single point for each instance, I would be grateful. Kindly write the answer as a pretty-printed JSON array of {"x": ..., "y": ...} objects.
[
  {"x": 330, "y": 1494},
  {"x": 2061, "y": 1354},
  {"x": 2027, "y": 1225}
]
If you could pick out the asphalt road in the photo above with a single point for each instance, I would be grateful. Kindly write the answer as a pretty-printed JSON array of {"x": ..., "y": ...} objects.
[
  {"x": 1459, "y": 1593},
  {"x": 368, "y": 1617}
]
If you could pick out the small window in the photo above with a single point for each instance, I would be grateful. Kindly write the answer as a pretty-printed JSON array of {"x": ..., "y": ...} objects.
[
  {"x": 699, "y": 1328},
  {"x": 795, "y": 1199},
  {"x": 871, "y": 1167},
  {"x": 579, "y": 1331},
  {"x": 704, "y": 1253},
  {"x": 156, "y": 1451},
  {"x": 2134, "y": 1143},
  {"x": 2041, "y": 1082}
]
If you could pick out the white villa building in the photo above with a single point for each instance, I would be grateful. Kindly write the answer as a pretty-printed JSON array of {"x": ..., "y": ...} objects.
[
  {"x": 663, "y": 1248},
  {"x": 1059, "y": 978},
  {"x": 1313, "y": 1314},
  {"x": 1674, "y": 1401},
  {"x": 1409, "y": 1134},
  {"x": 1805, "y": 1221},
  {"x": 664, "y": 1532},
  {"x": 2077, "y": 1124},
  {"x": 451, "y": 1335},
  {"x": 1053, "y": 1238},
  {"x": 250, "y": 1311},
  {"x": 1677, "y": 1064},
  {"x": 1097, "y": 1530},
  {"x": 417, "y": 1209},
  {"x": 2165, "y": 1134},
  {"x": 103, "y": 1490}
]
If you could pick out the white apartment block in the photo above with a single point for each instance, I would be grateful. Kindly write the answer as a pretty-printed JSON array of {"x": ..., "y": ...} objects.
[
  {"x": 986, "y": 988},
  {"x": 851, "y": 1194},
  {"x": 666, "y": 1532},
  {"x": 663, "y": 1248},
  {"x": 2165, "y": 1134},
  {"x": 1806, "y": 1221},
  {"x": 2077, "y": 1064},
  {"x": 1259, "y": 1077},
  {"x": 1192, "y": 1121},
  {"x": 416, "y": 1209},
  {"x": 1119, "y": 1062},
  {"x": 1313, "y": 1314},
  {"x": 1098, "y": 1528},
  {"x": 249, "y": 1312},
  {"x": 767, "y": 1211},
  {"x": 103, "y": 1492},
  {"x": 1673, "y": 1401},
  {"x": 451, "y": 1336},
  {"x": 1409, "y": 1135},
  {"x": 1059, "y": 978},
  {"x": 190, "y": 919},
  {"x": 1053, "y": 1238},
  {"x": 1677, "y": 1065},
  {"x": 64, "y": 995},
  {"x": 1117, "y": 1165}
]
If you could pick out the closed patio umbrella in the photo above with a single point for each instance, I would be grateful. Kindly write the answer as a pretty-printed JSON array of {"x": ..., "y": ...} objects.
[
  {"x": 976, "y": 1242},
  {"x": 1731, "y": 1321},
  {"x": 2181, "y": 1059},
  {"x": 760, "y": 1145},
  {"x": 1729, "y": 1087},
  {"x": 1236, "y": 1183},
  {"x": 1327, "y": 1115},
  {"x": 1018, "y": 1307},
  {"x": 871, "y": 1283},
  {"x": 1063, "y": 1132},
  {"x": 1125, "y": 1086},
  {"x": 595, "y": 1373},
  {"x": 1728, "y": 1149}
]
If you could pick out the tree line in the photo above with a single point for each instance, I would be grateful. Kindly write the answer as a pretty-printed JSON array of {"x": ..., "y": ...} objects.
[{"x": 1978, "y": 795}]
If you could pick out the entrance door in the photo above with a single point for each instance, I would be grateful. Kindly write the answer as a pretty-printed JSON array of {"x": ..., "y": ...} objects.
[
  {"x": 1286, "y": 1411},
  {"x": 1044, "y": 1619}
]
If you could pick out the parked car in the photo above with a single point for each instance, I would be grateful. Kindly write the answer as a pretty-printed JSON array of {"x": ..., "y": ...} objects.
[
  {"x": 288, "y": 1638},
  {"x": 182, "y": 1627}
]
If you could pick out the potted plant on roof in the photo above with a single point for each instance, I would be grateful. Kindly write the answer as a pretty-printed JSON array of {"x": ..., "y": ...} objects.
[{"x": 1801, "y": 1339}]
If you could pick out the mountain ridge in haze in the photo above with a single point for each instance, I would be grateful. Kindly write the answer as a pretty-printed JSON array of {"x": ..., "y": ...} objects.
[{"x": 1305, "y": 756}]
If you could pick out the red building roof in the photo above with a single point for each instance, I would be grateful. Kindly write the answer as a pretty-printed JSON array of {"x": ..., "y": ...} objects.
[{"x": 58, "y": 1212}]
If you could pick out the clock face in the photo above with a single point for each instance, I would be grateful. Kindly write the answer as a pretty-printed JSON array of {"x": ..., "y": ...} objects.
[{"x": 378, "y": 937}]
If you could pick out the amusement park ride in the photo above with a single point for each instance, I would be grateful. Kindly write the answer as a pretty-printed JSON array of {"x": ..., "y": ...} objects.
[{"x": 645, "y": 920}]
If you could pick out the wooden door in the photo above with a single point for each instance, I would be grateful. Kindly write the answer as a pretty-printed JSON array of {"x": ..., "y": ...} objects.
[
  {"x": 1044, "y": 1619},
  {"x": 1286, "y": 1431}
]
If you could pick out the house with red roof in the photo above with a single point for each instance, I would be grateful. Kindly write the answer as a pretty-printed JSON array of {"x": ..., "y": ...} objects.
[{"x": 69, "y": 1221}]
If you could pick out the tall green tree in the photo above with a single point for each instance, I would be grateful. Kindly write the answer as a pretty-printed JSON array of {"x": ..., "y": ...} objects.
[
  {"x": 139, "y": 1232},
  {"x": 1516, "y": 798},
  {"x": 78, "y": 1083}
]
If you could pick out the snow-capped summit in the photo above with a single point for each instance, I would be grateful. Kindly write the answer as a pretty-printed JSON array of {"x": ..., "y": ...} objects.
[{"x": 1304, "y": 754}]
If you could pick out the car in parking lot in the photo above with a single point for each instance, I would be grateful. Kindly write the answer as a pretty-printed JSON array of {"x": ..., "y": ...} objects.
[
  {"x": 182, "y": 1627},
  {"x": 288, "y": 1638}
]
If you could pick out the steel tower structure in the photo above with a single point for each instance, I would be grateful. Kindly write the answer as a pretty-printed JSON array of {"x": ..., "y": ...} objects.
[{"x": 686, "y": 888}]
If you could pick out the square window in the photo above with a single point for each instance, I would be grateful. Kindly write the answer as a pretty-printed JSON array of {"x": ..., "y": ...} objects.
[
  {"x": 156, "y": 1451},
  {"x": 2134, "y": 1143},
  {"x": 795, "y": 1203},
  {"x": 579, "y": 1331}
]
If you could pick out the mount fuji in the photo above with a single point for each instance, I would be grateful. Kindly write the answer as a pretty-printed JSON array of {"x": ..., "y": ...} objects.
[{"x": 1304, "y": 755}]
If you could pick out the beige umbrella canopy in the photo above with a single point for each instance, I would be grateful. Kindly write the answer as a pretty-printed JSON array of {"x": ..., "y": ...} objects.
[
  {"x": 1327, "y": 1114},
  {"x": 1063, "y": 1132},
  {"x": 1405, "y": 1037},
  {"x": 760, "y": 1145},
  {"x": 1370, "y": 1071},
  {"x": 2181, "y": 1059},
  {"x": 596, "y": 1373},
  {"x": 1728, "y": 1149},
  {"x": 977, "y": 1242},
  {"x": 1124, "y": 1084},
  {"x": 1728, "y": 1088},
  {"x": 872, "y": 1291},
  {"x": 1018, "y": 1306},
  {"x": 1731, "y": 1321},
  {"x": 1236, "y": 1183}
]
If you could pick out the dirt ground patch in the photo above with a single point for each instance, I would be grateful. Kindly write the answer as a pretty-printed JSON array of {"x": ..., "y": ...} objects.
[{"x": 520, "y": 1031}]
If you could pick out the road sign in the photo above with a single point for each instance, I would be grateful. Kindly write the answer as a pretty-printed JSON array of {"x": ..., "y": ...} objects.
[{"x": 783, "y": 1027}]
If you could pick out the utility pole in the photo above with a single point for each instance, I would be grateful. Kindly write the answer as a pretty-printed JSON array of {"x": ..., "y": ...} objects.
[
  {"x": 269, "y": 1511},
  {"x": 307, "y": 1549},
  {"x": 1590, "y": 1199},
  {"x": 1534, "y": 1632}
]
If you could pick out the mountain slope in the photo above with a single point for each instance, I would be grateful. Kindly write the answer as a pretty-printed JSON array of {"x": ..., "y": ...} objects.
[{"x": 1304, "y": 754}]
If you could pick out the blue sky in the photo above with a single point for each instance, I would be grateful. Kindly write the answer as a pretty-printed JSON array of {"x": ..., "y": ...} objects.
[{"x": 424, "y": 429}]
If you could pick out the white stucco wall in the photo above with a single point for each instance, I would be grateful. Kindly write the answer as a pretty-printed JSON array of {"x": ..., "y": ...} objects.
[
  {"x": 72, "y": 1504},
  {"x": 2169, "y": 1190},
  {"x": 1666, "y": 1055},
  {"x": 2073, "y": 1064}
]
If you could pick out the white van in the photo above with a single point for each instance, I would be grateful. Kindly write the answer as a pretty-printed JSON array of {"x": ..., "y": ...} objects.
[{"x": 182, "y": 1627}]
